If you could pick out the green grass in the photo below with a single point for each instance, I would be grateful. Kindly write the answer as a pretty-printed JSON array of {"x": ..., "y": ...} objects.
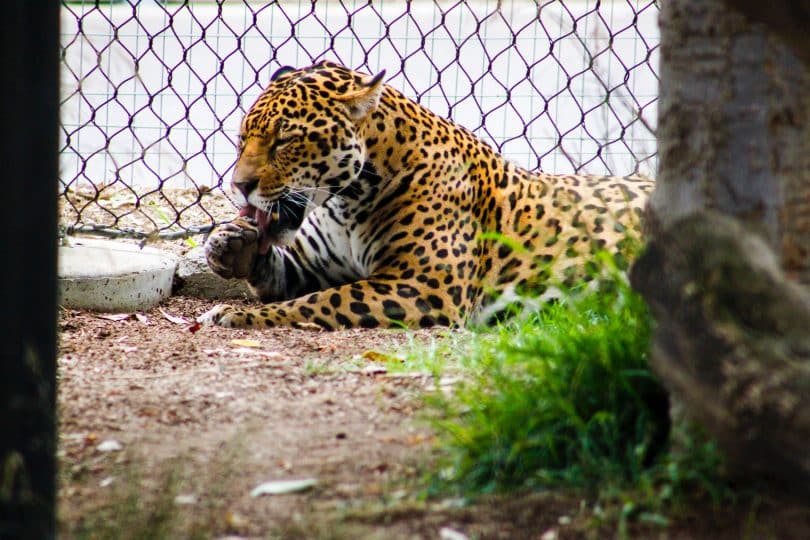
[
  {"x": 433, "y": 355},
  {"x": 564, "y": 398}
]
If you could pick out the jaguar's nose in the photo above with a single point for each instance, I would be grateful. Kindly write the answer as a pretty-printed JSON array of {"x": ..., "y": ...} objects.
[{"x": 246, "y": 187}]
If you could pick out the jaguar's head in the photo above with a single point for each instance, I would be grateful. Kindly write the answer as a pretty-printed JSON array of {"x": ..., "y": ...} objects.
[{"x": 299, "y": 145}]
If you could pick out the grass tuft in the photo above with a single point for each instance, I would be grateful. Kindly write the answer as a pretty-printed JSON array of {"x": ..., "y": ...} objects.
[{"x": 564, "y": 398}]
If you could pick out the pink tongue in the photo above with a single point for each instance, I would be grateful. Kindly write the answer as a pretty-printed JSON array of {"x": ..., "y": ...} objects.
[
  {"x": 264, "y": 241},
  {"x": 261, "y": 221}
]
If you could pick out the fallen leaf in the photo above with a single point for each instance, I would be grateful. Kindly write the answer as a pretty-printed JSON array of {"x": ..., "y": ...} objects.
[
  {"x": 246, "y": 343},
  {"x": 376, "y": 356},
  {"x": 118, "y": 201},
  {"x": 149, "y": 412},
  {"x": 550, "y": 534},
  {"x": 453, "y": 502},
  {"x": 110, "y": 445},
  {"x": 417, "y": 439},
  {"x": 117, "y": 317},
  {"x": 106, "y": 481},
  {"x": 374, "y": 370},
  {"x": 173, "y": 318},
  {"x": 270, "y": 354},
  {"x": 185, "y": 500},
  {"x": 372, "y": 488},
  {"x": 194, "y": 327},
  {"x": 446, "y": 533},
  {"x": 281, "y": 487},
  {"x": 235, "y": 521}
]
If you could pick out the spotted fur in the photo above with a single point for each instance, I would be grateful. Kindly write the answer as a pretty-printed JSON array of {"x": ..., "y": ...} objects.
[{"x": 361, "y": 208}]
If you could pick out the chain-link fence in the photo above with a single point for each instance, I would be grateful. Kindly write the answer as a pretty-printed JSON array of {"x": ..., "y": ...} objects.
[{"x": 153, "y": 91}]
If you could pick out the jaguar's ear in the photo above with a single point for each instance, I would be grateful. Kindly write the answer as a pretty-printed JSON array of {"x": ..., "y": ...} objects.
[
  {"x": 365, "y": 97},
  {"x": 281, "y": 71}
]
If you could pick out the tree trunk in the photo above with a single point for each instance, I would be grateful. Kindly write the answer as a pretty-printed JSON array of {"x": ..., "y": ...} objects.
[
  {"x": 734, "y": 127},
  {"x": 733, "y": 342},
  {"x": 730, "y": 234},
  {"x": 29, "y": 109}
]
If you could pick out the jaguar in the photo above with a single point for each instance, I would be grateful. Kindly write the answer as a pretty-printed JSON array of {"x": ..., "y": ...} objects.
[{"x": 361, "y": 208}]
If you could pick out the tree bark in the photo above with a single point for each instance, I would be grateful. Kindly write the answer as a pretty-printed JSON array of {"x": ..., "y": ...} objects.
[
  {"x": 733, "y": 342},
  {"x": 728, "y": 262},
  {"x": 734, "y": 127},
  {"x": 29, "y": 108},
  {"x": 787, "y": 19}
]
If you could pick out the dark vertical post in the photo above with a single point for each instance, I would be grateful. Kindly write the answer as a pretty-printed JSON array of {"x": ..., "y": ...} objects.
[{"x": 29, "y": 108}]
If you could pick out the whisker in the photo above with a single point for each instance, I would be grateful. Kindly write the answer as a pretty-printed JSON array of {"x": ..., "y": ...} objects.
[
  {"x": 315, "y": 191},
  {"x": 302, "y": 190}
]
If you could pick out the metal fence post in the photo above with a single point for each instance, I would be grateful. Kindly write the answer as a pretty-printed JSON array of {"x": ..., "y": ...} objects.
[{"x": 29, "y": 109}]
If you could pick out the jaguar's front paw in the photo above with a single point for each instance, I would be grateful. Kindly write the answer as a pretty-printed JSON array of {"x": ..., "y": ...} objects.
[{"x": 232, "y": 248}]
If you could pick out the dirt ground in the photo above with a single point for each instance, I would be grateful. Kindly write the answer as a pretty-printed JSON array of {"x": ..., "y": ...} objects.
[
  {"x": 285, "y": 404},
  {"x": 155, "y": 409}
]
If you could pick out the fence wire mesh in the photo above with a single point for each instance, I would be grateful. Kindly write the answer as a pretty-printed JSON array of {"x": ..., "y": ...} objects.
[{"x": 153, "y": 91}]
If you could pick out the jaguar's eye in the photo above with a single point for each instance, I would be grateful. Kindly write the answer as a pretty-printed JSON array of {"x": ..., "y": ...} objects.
[
  {"x": 278, "y": 144},
  {"x": 281, "y": 142}
]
